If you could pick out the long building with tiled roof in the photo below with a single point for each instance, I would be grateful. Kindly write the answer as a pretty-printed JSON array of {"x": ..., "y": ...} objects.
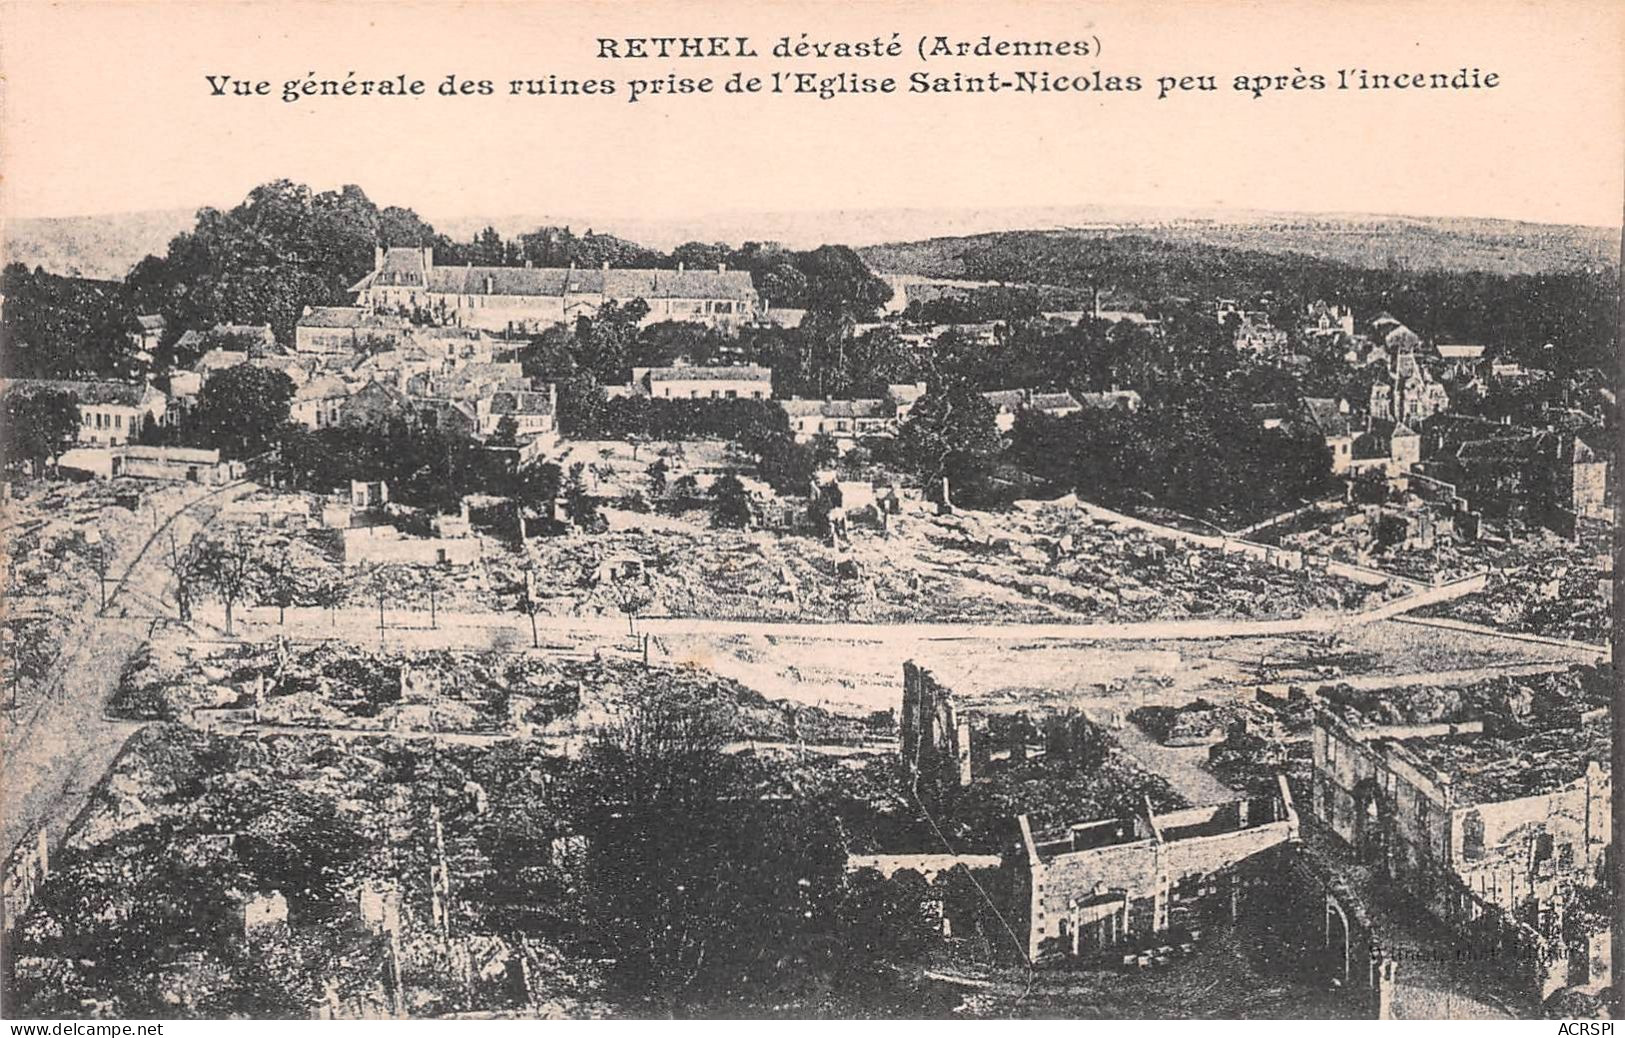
[{"x": 532, "y": 298}]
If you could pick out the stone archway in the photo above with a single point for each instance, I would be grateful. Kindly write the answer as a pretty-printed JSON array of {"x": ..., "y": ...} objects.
[{"x": 1337, "y": 940}]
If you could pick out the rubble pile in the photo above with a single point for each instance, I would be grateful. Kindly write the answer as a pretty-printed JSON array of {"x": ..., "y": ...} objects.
[
  {"x": 1048, "y": 564},
  {"x": 1543, "y": 585},
  {"x": 1120, "y": 573},
  {"x": 1200, "y": 721},
  {"x": 1408, "y": 540},
  {"x": 476, "y": 693},
  {"x": 52, "y": 569},
  {"x": 1486, "y": 768},
  {"x": 1539, "y": 583},
  {"x": 1556, "y": 699},
  {"x": 330, "y": 841},
  {"x": 1056, "y": 797},
  {"x": 1250, "y": 758}
]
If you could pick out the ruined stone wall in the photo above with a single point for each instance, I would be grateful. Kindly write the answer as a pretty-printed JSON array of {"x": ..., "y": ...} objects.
[
  {"x": 1320, "y": 906},
  {"x": 1510, "y": 851},
  {"x": 1143, "y": 873},
  {"x": 1589, "y": 493},
  {"x": 930, "y": 735},
  {"x": 1411, "y": 809},
  {"x": 1131, "y": 870},
  {"x": 1532, "y": 966},
  {"x": 1204, "y": 855},
  {"x": 927, "y": 865}
]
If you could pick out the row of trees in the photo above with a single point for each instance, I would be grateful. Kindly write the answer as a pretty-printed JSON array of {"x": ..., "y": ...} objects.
[{"x": 1577, "y": 310}]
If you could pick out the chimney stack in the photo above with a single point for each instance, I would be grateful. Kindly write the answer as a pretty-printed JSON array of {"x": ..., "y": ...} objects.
[
  {"x": 679, "y": 266},
  {"x": 377, "y": 257},
  {"x": 428, "y": 258},
  {"x": 605, "y": 266},
  {"x": 722, "y": 268}
]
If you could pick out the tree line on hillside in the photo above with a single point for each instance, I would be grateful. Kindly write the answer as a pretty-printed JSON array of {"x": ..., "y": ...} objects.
[
  {"x": 65, "y": 327},
  {"x": 1576, "y": 311}
]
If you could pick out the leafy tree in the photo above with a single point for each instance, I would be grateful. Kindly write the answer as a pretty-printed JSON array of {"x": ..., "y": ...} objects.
[
  {"x": 732, "y": 503},
  {"x": 538, "y": 485},
  {"x": 229, "y": 570},
  {"x": 605, "y": 340},
  {"x": 506, "y": 433},
  {"x": 65, "y": 327},
  {"x": 838, "y": 280},
  {"x": 881, "y": 916},
  {"x": 785, "y": 465},
  {"x": 657, "y": 478},
  {"x": 328, "y": 590},
  {"x": 686, "y": 488},
  {"x": 487, "y": 249},
  {"x": 579, "y": 504},
  {"x": 38, "y": 427},
  {"x": 278, "y": 583},
  {"x": 950, "y": 441},
  {"x": 283, "y": 248},
  {"x": 243, "y": 410}
]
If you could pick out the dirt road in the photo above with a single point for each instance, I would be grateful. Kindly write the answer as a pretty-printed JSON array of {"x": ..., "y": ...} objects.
[{"x": 58, "y": 746}]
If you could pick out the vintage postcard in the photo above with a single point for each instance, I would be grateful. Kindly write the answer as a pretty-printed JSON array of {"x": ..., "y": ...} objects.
[{"x": 1001, "y": 510}]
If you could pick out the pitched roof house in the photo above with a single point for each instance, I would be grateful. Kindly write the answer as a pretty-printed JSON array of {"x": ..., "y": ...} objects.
[{"x": 533, "y": 297}]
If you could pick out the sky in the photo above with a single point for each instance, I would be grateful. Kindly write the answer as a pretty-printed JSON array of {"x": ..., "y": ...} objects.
[{"x": 107, "y": 108}]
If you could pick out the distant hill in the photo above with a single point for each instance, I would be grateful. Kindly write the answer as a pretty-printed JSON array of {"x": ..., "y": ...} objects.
[
  {"x": 107, "y": 246},
  {"x": 104, "y": 246},
  {"x": 1369, "y": 242}
]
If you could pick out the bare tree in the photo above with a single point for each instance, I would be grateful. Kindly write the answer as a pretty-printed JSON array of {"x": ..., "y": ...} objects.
[
  {"x": 381, "y": 582},
  {"x": 631, "y": 599},
  {"x": 528, "y": 601},
  {"x": 434, "y": 584},
  {"x": 328, "y": 589},
  {"x": 183, "y": 562},
  {"x": 230, "y": 571}
]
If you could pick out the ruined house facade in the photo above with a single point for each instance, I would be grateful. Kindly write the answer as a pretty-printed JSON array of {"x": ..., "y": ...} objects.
[
  {"x": 944, "y": 749},
  {"x": 1382, "y": 798},
  {"x": 1546, "y": 476},
  {"x": 1464, "y": 846},
  {"x": 1100, "y": 884}
]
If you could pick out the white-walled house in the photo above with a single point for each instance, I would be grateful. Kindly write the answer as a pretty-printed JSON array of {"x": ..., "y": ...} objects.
[
  {"x": 109, "y": 412},
  {"x": 742, "y": 382}
]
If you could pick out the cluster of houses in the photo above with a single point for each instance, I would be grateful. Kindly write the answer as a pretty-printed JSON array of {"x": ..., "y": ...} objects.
[
  {"x": 850, "y": 420},
  {"x": 1398, "y": 425}
]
